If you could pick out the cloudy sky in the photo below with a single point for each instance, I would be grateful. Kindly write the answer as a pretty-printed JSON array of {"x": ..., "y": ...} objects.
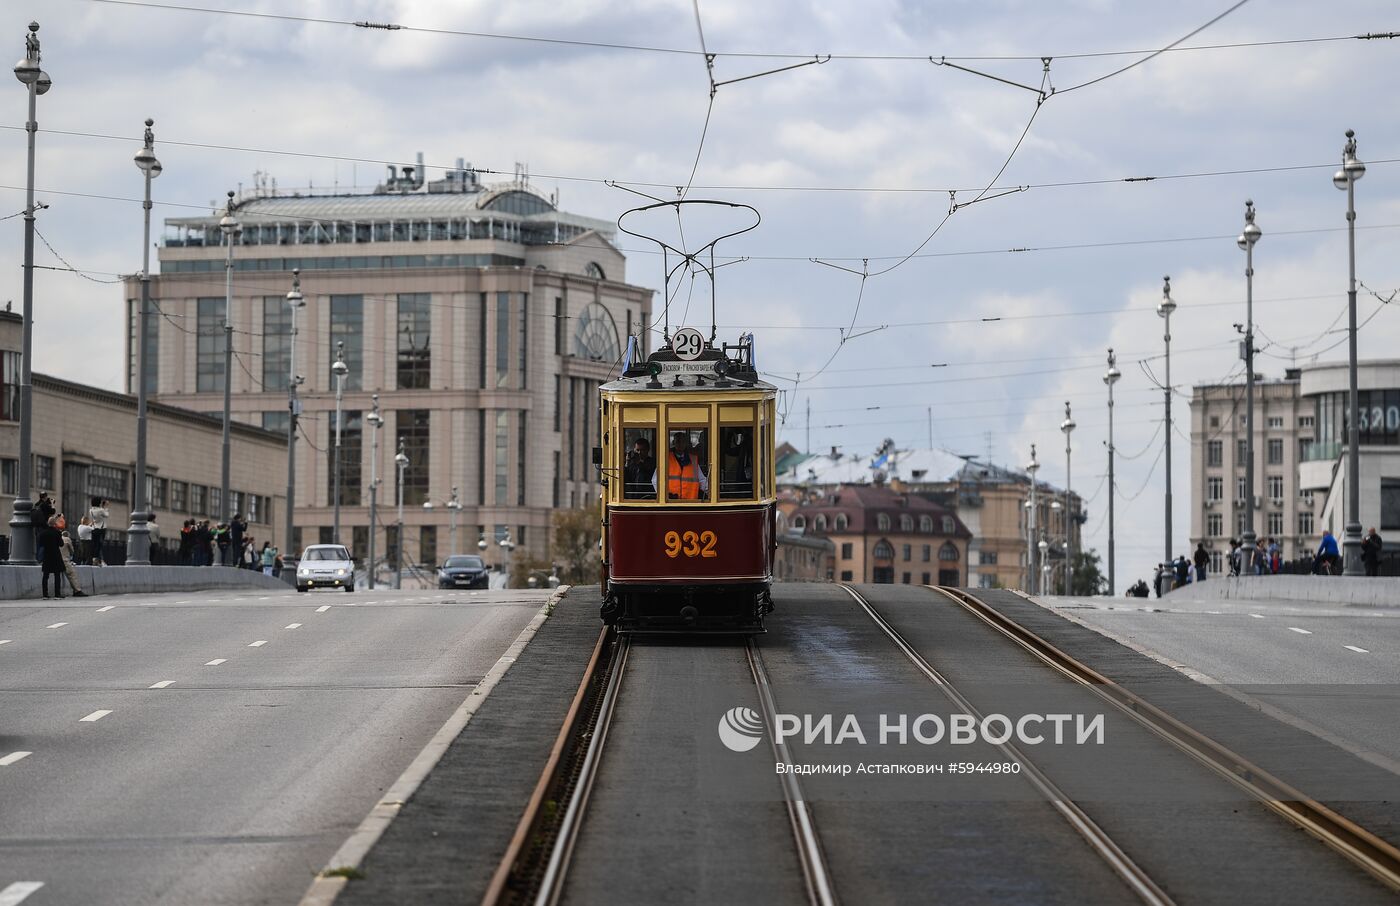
[{"x": 850, "y": 162}]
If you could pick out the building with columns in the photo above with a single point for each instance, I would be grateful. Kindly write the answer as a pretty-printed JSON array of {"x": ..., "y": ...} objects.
[{"x": 483, "y": 318}]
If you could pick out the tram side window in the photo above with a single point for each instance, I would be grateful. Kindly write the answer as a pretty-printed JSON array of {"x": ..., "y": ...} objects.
[
  {"x": 639, "y": 467},
  {"x": 685, "y": 465},
  {"x": 736, "y": 463}
]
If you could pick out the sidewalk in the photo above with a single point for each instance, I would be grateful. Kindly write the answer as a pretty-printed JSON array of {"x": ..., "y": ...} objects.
[{"x": 18, "y": 582}]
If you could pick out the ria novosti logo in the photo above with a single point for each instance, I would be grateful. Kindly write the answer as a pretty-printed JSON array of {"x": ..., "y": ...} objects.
[{"x": 740, "y": 729}]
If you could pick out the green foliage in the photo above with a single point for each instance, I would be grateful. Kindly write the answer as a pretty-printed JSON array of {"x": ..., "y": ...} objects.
[
  {"x": 1088, "y": 577},
  {"x": 575, "y": 545}
]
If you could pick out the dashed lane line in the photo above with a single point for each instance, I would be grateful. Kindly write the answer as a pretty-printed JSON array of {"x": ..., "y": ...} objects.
[
  {"x": 164, "y": 684},
  {"x": 323, "y": 608},
  {"x": 258, "y": 644},
  {"x": 19, "y": 891},
  {"x": 216, "y": 662},
  {"x": 6, "y": 641},
  {"x": 95, "y": 716},
  {"x": 292, "y": 626},
  {"x": 1257, "y": 616},
  {"x": 1300, "y": 631},
  {"x": 55, "y": 625},
  {"x": 1357, "y": 650},
  {"x": 13, "y": 757},
  {"x": 105, "y": 609}
]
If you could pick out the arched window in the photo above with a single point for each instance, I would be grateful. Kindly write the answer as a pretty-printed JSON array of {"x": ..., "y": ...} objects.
[
  {"x": 882, "y": 522},
  {"x": 948, "y": 551},
  {"x": 884, "y": 550},
  {"x": 949, "y": 526},
  {"x": 819, "y": 524},
  {"x": 595, "y": 338},
  {"x": 517, "y": 202},
  {"x": 926, "y": 524},
  {"x": 799, "y": 522},
  {"x": 595, "y": 270},
  {"x": 841, "y": 522},
  {"x": 906, "y": 523}
]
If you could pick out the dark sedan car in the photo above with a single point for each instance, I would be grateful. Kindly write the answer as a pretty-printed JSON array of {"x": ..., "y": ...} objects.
[{"x": 463, "y": 572}]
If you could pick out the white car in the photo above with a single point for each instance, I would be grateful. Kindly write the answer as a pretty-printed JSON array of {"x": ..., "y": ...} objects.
[{"x": 325, "y": 566}]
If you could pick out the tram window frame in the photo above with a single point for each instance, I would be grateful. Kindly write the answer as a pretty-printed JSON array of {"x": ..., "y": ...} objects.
[
  {"x": 737, "y": 422},
  {"x": 638, "y": 490},
  {"x": 696, "y": 420}
]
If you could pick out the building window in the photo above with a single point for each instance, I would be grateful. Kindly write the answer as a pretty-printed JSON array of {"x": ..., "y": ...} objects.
[
  {"x": 1390, "y": 504},
  {"x": 1275, "y": 421},
  {"x": 927, "y": 552},
  {"x": 819, "y": 524},
  {"x": 841, "y": 522},
  {"x": 908, "y": 552},
  {"x": 199, "y": 500},
  {"x": 882, "y": 522},
  {"x": 595, "y": 337},
  {"x": 1275, "y": 524},
  {"x": 906, "y": 578},
  {"x": 1305, "y": 523},
  {"x": 1215, "y": 488},
  {"x": 351, "y": 445},
  {"x": 278, "y": 420},
  {"x": 522, "y": 357},
  {"x": 593, "y": 270},
  {"x": 1306, "y": 421},
  {"x": 481, "y": 336},
  {"x": 209, "y": 350},
  {"x": 1239, "y": 522},
  {"x": 1275, "y": 451},
  {"x": 502, "y": 456},
  {"x": 883, "y": 550},
  {"x": 276, "y": 343},
  {"x": 799, "y": 522},
  {"x": 180, "y": 496},
  {"x": 558, "y": 400},
  {"x": 1216, "y": 561},
  {"x": 216, "y": 500},
  {"x": 1241, "y": 492},
  {"x": 414, "y": 332},
  {"x": 847, "y": 575},
  {"x": 906, "y": 523},
  {"x": 948, "y": 552},
  {"x": 520, "y": 459},
  {"x": 109, "y": 482},
  {"x": 1215, "y": 453},
  {"x": 347, "y": 326},
  {"x": 1241, "y": 452},
  {"x": 1275, "y": 485},
  {"x": 561, "y": 323},
  {"x": 924, "y": 578},
  {"x": 502, "y": 339},
  {"x": 1215, "y": 421},
  {"x": 558, "y": 479},
  {"x": 926, "y": 524},
  {"x": 10, "y": 363},
  {"x": 987, "y": 558},
  {"x": 847, "y": 550},
  {"x": 152, "y": 347},
  {"x": 359, "y": 541},
  {"x": 156, "y": 489},
  {"x": 1305, "y": 445},
  {"x": 1215, "y": 524},
  {"x": 413, "y": 432},
  {"x": 949, "y": 526},
  {"x": 43, "y": 473},
  {"x": 427, "y": 546}
]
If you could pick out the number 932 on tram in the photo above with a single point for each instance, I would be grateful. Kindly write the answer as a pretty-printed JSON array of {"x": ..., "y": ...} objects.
[{"x": 688, "y": 490}]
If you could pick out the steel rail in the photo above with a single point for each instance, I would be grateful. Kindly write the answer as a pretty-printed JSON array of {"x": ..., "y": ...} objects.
[
  {"x": 1098, "y": 839},
  {"x": 1377, "y": 857},
  {"x": 815, "y": 873}
]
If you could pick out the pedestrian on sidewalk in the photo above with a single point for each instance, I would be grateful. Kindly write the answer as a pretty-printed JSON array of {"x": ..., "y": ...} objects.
[
  {"x": 202, "y": 541},
  {"x": 99, "y": 514},
  {"x": 85, "y": 540},
  {"x": 1371, "y": 547},
  {"x": 269, "y": 558},
  {"x": 1202, "y": 560},
  {"x": 236, "y": 530},
  {"x": 1275, "y": 557},
  {"x": 221, "y": 543},
  {"x": 51, "y": 542},
  {"x": 39, "y": 519},
  {"x": 66, "y": 551}
]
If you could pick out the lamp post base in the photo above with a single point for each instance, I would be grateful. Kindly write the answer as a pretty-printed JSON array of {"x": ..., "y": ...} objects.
[
  {"x": 22, "y": 533},
  {"x": 1248, "y": 547},
  {"x": 1351, "y": 550},
  {"x": 138, "y": 541}
]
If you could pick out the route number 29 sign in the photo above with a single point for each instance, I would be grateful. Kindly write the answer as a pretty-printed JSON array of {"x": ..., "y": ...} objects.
[{"x": 688, "y": 343}]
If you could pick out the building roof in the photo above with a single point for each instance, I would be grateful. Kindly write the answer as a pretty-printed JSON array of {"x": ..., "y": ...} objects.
[{"x": 862, "y": 504}]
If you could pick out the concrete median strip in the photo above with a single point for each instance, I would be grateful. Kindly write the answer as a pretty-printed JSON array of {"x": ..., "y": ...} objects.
[{"x": 347, "y": 859}]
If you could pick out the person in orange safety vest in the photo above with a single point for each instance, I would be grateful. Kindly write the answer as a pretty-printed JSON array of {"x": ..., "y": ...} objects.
[{"x": 685, "y": 480}]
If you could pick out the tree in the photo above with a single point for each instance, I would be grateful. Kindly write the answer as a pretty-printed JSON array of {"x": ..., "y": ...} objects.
[
  {"x": 575, "y": 549},
  {"x": 1088, "y": 579}
]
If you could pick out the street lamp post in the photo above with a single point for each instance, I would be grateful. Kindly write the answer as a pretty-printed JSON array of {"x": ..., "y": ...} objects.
[
  {"x": 1031, "y": 468},
  {"x": 21, "y": 528},
  {"x": 297, "y": 302},
  {"x": 452, "y": 507},
  {"x": 1068, "y": 426},
  {"x": 138, "y": 535},
  {"x": 507, "y": 546},
  {"x": 376, "y": 421},
  {"x": 1110, "y": 378},
  {"x": 340, "y": 370},
  {"x": 230, "y": 227},
  {"x": 400, "y": 460},
  {"x": 1246, "y": 241},
  {"x": 1345, "y": 178},
  {"x": 1164, "y": 311}
]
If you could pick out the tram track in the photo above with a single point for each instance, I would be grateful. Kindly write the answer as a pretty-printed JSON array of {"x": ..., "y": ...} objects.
[{"x": 1377, "y": 857}]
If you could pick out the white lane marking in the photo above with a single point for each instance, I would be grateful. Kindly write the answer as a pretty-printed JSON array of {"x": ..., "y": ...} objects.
[
  {"x": 6, "y": 641},
  {"x": 1216, "y": 612},
  {"x": 258, "y": 644},
  {"x": 1357, "y": 650},
  {"x": 323, "y": 608},
  {"x": 13, "y": 757},
  {"x": 55, "y": 625},
  {"x": 264, "y": 599},
  {"x": 19, "y": 891},
  {"x": 182, "y": 602},
  {"x": 162, "y": 684},
  {"x": 216, "y": 662},
  {"x": 95, "y": 716},
  {"x": 105, "y": 609},
  {"x": 292, "y": 626},
  {"x": 1300, "y": 631}
]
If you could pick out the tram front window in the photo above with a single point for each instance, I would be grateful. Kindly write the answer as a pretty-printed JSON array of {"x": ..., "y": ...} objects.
[
  {"x": 639, "y": 468},
  {"x": 683, "y": 468},
  {"x": 736, "y": 463}
]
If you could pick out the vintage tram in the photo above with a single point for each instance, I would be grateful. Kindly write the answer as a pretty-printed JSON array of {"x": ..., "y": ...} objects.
[{"x": 688, "y": 506}]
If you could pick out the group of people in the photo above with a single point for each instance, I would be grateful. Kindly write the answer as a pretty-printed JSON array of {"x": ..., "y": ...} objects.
[
  {"x": 1265, "y": 558},
  {"x": 55, "y": 549},
  {"x": 216, "y": 544}
]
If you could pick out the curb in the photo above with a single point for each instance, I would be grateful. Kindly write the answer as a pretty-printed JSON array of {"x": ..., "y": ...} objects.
[{"x": 324, "y": 890}]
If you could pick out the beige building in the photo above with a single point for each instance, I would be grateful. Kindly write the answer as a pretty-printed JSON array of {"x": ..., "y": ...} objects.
[
  {"x": 484, "y": 318},
  {"x": 84, "y": 446}
]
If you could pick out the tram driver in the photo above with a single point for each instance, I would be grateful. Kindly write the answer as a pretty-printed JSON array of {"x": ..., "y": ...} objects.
[{"x": 685, "y": 479}]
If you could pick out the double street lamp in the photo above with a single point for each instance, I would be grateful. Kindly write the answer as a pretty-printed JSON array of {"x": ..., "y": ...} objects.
[
  {"x": 376, "y": 421},
  {"x": 1110, "y": 378},
  {"x": 1068, "y": 426},
  {"x": 138, "y": 537},
  {"x": 297, "y": 302},
  {"x": 1164, "y": 311},
  {"x": 1345, "y": 179},
  {"x": 1031, "y": 468},
  {"x": 21, "y": 528},
  {"x": 454, "y": 506},
  {"x": 1246, "y": 242},
  {"x": 340, "y": 370},
  {"x": 400, "y": 460},
  {"x": 230, "y": 227}
]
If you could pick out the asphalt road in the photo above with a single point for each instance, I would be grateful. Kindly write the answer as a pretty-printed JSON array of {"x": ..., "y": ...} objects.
[
  {"x": 1306, "y": 660},
  {"x": 218, "y": 748}
]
